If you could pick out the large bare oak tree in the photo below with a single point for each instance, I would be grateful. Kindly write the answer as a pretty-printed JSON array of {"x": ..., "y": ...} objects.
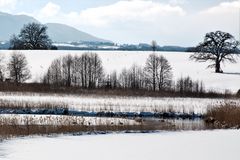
[{"x": 217, "y": 47}]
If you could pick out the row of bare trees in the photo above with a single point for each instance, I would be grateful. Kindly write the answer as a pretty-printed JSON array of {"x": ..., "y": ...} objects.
[
  {"x": 87, "y": 71},
  {"x": 186, "y": 85},
  {"x": 155, "y": 75}
]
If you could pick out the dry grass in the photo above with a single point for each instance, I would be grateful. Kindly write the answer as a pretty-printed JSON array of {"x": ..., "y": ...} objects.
[
  {"x": 16, "y": 104},
  {"x": 227, "y": 116},
  {"x": 43, "y": 88},
  {"x": 24, "y": 125},
  {"x": 7, "y": 131}
]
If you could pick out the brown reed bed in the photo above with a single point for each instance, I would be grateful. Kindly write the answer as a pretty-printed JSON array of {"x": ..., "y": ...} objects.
[{"x": 224, "y": 116}]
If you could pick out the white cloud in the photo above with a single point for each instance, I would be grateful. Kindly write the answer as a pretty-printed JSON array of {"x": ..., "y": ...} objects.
[
  {"x": 125, "y": 11},
  {"x": 50, "y": 10},
  {"x": 137, "y": 21},
  {"x": 224, "y": 8},
  {"x": 7, "y": 5},
  {"x": 177, "y": 2},
  {"x": 224, "y": 16}
]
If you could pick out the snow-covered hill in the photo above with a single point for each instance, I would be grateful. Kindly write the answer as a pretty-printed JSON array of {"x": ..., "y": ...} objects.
[{"x": 117, "y": 60}]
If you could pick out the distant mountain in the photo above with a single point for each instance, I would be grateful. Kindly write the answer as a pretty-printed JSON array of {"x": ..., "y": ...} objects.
[
  {"x": 68, "y": 38},
  {"x": 64, "y": 33},
  {"x": 12, "y": 24}
]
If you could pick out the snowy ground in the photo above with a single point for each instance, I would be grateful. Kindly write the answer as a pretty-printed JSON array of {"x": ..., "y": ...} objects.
[
  {"x": 191, "y": 145},
  {"x": 39, "y": 61},
  {"x": 118, "y": 104}
]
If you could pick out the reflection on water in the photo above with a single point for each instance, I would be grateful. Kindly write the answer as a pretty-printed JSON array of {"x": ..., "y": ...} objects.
[
  {"x": 175, "y": 124},
  {"x": 197, "y": 124},
  {"x": 144, "y": 125}
]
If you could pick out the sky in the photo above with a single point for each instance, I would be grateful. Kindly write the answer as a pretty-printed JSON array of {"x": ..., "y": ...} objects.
[{"x": 169, "y": 22}]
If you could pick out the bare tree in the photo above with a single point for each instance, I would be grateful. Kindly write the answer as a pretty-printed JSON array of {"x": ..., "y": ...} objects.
[
  {"x": 124, "y": 79},
  {"x": 97, "y": 70},
  {"x": 85, "y": 71},
  {"x": 18, "y": 68},
  {"x": 2, "y": 68},
  {"x": 151, "y": 70},
  {"x": 132, "y": 78},
  {"x": 164, "y": 74},
  {"x": 76, "y": 70},
  {"x": 217, "y": 47},
  {"x": 154, "y": 45},
  {"x": 32, "y": 36},
  {"x": 54, "y": 73},
  {"x": 158, "y": 72},
  {"x": 185, "y": 85},
  {"x": 136, "y": 77},
  {"x": 238, "y": 93},
  {"x": 67, "y": 68},
  {"x": 113, "y": 80},
  {"x": 91, "y": 70}
]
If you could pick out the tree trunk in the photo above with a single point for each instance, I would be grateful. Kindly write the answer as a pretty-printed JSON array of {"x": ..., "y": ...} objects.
[{"x": 218, "y": 67}]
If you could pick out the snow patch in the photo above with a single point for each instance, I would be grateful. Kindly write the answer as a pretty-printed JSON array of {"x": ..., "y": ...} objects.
[{"x": 197, "y": 145}]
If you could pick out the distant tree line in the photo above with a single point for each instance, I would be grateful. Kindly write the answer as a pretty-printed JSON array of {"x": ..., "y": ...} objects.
[
  {"x": 86, "y": 71},
  {"x": 185, "y": 86}
]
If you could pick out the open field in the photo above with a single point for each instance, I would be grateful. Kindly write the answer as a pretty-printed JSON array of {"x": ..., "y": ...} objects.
[
  {"x": 197, "y": 145},
  {"x": 39, "y": 61}
]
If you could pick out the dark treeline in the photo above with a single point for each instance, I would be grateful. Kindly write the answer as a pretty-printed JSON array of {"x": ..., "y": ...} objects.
[{"x": 85, "y": 72}]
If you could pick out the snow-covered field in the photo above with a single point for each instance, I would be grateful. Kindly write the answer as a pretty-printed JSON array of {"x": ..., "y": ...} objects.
[
  {"x": 191, "y": 145},
  {"x": 118, "y": 104},
  {"x": 117, "y": 60}
]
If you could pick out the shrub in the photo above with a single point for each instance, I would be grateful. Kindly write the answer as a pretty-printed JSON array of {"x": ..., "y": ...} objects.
[
  {"x": 227, "y": 115},
  {"x": 238, "y": 93}
]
